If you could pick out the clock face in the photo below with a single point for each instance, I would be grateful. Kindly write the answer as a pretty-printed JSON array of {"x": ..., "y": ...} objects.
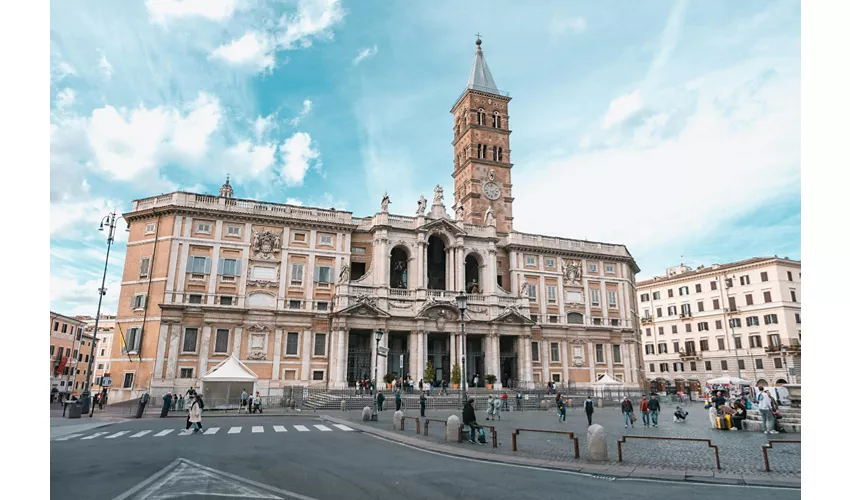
[{"x": 491, "y": 190}]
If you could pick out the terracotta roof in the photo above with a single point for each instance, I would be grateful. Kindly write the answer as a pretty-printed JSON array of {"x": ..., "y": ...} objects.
[{"x": 710, "y": 269}]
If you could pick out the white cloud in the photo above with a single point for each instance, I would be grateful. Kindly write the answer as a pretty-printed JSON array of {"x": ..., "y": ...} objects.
[
  {"x": 195, "y": 188},
  {"x": 294, "y": 201},
  {"x": 572, "y": 24},
  {"x": 306, "y": 107},
  {"x": 299, "y": 155},
  {"x": 264, "y": 124},
  {"x": 69, "y": 219},
  {"x": 253, "y": 52},
  {"x": 65, "y": 98},
  {"x": 365, "y": 54},
  {"x": 622, "y": 108},
  {"x": 312, "y": 19},
  {"x": 105, "y": 66},
  {"x": 160, "y": 11},
  {"x": 669, "y": 40},
  {"x": 253, "y": 159},
  {"x": 80, "y": 296}
]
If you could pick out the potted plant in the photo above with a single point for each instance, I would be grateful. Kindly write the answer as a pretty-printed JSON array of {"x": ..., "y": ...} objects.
[
  {"x": 490, "y": 378},
  {"x": 428, "y": 376},
  {"x": 455, "y": 376},
  {"x": 388, "y": 378}
]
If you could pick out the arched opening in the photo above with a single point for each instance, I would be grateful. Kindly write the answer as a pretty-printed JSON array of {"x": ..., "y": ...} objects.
[
  {"x": 762, "y": 383},
  {"x": 575, "y": 318},
  {"x": 780, "y": 382},
  {"x": 398, "y": 267},
  {"x": 481, "y": 116},
  {"x": 471, "y": 267},
  {"x": 436, "y": 263}
]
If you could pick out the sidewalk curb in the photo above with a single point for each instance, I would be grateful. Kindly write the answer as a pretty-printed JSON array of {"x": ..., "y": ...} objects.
[{"x": 590, "y": 469}]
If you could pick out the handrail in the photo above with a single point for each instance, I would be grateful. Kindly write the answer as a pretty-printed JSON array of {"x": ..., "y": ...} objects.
[
  {"x": 710, "y": 445},
  {"x": 568, "y": 433},
  {"x": 429, "y": 420},
  {"x": 412, "y": 418},
  {"x": 769, "y": 445}
]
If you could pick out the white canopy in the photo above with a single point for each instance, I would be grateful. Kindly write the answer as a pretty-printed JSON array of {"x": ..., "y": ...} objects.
[
  {"x": 230, "y": 370},
  {"x": 606, "y": 381},
  {"x": 727, "y": 380}
]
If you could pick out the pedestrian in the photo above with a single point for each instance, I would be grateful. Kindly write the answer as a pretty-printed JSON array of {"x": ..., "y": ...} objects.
[
  {"x": 739, "y": 416},
  {"x": 628, "y": 411},
  {"x": 397, "y": 400},
  {"x": 173, "y": 403},
  {"x": 505, "y": 401},
  {"x": 422, "y": 400},
  {"x": 644, "y": 411},
  {"x": 475, "y": 380},
  {"x": 562, "y": 409},
  {"x": 766, "y": 410},
  {"x": 380, "y": 401},
  {"x": 497, "y": 408},
  {"x": 490, "y": 409},
  {"x": 180, "y": 403},
  {"x": 588, "y": 410},
  {"x": 258, "y": 403},
  {"x": 718, "y": 400},
  {"x": 654, "y": 409},
  {"x": 469, "y": 419},
  {"x": 243, "y": 401},
  {"x": 166, "y": 405},
  {"x": 519, "y": 401},
  {"x": 195, "y": 414}
]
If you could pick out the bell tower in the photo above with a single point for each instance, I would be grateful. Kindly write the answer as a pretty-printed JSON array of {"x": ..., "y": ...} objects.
[{"x": 482, "y": 153}]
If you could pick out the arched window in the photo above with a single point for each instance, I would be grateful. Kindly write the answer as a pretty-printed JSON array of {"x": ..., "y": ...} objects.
[
  {"x": 479, "y": 151},
  {"x": 497, "y": 120},
  {"x": 575, "y": 319},
  {"x": 499, "y": 155},
  {"x": 495, "y": 153},
  {"x": 481, "y": 116}
]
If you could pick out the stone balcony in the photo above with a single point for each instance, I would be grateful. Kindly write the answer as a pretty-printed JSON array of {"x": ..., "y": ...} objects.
[{"x": 689, "y": 355}]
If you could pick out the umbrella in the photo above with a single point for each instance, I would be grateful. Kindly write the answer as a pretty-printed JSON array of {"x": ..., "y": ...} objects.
[{"x": 726, "y": 380}]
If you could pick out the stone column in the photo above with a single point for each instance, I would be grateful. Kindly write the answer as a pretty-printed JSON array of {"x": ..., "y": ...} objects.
[
  {"x": 306, "y": 354},
  {"x": 544, "y": 358},
  {"x": 604, "y": 301},
  {"x": 382, "y": 360},
  {"x": 450, "y": 273},
  {"x": 497, "y": 362},
  {"x": 627, "y": 365},
  {"x": 237, "y": 342},
  {"x": 278, "y": 335},
  {"x": 610, "y": 361},
  {"x": 173, "y": 352},
  {"x": 634, "y": 365},
  {"x": 453, "y": 354},
  {"x": 422, "y": 265},
  {"x": 591, "y": 360},
  {"x": 161, "y": 343},
  {"x": 423, "y": 356},
  {"x": 528, "y": 371},
  {"x": 587, "y": 317},
  {"x": 205, "y": 349}
]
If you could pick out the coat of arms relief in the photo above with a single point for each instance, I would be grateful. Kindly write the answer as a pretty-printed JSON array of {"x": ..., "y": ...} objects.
[
  {"x": 266, "y": 244},
  {"x": 572, "y": 271}
]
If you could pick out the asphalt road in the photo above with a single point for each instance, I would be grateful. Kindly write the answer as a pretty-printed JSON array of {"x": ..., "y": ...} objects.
[{"x": 313, "y": 464}]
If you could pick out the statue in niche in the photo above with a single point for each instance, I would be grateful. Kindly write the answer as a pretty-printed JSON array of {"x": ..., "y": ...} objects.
[
  {"x": 491, "y": 175},
  {"x": 438, "y": 195},
  {"x": 523, "y": 290},
  {"x": 385, "y": 202},
  {"x": 344, "y": 274},
  {"x": 459, "y": 212},
  {"x": 420, "y": 209},
  {"x": 489, "y": 219}
]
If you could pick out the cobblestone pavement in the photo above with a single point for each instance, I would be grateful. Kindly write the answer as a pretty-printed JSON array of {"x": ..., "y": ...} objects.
[{"x": 740, "y": 452}]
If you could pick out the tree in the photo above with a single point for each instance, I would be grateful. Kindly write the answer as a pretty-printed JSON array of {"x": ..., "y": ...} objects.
[
  {"x": 429, "y": 372},
  {"x": 456, "y": 374}
]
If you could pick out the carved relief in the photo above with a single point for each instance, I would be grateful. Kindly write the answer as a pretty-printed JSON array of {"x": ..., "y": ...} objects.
[
  {"x": 400, "y": 305},
  {"x": 257, "y": 335},
  {"x": 572, "y": 271},
  {"x": 266, "y": 244}
]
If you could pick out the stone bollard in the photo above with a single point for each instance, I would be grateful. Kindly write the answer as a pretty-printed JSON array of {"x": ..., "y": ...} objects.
[
  {"x": 599, "y": 403},
  {"x": 367, "y": 414},
  {"x": 342, "y": 405},
  {"x": 712, "y": 415},
  {"x": 452, "y": 425},
  {"x": 397, "y": 420},
  {"x": 544, "y": 405},
  {"x": 597, "y": 444}
]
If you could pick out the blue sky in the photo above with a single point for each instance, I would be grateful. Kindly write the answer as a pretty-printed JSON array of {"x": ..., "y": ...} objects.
[{"x": 672, "y": 127}]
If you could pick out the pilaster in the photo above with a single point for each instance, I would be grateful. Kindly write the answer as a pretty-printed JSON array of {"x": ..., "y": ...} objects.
[
  {"x": 237, "y": 342},
  {"x": 306, "y": 354},
  {"x": 205, "y": 350},
  {"x": 278, "y": 335},
  {"x": 161, "y": 344},
  {"x": 173, "y": 352}
]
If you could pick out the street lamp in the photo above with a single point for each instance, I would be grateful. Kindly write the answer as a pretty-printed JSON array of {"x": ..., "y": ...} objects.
[
  {"x": 461, "y": 305},
  {"x": 110, "y": 220},
  {"x": 378, "y": 334}
]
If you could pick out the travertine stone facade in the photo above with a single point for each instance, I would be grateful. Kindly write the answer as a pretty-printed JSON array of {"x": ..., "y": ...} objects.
[
  {"x": 740, "y": 319},
  {"x": 297, "y": 293},
  {"x": 70, "y": 349}
]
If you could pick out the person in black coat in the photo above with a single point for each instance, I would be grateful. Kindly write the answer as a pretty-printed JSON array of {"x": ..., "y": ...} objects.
[
  {"x": 469, "y": 419},
  {"x": 588, "y": 410},
  {"x": 166, "y": 405},
  {"x": 422, "y": 400}
]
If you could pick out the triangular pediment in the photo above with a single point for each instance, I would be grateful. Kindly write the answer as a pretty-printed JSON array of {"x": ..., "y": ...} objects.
[
  {"x": 365, "y": 307},
  {"x": 513, "y": 316},
  {"x": 444, "y": 224}
]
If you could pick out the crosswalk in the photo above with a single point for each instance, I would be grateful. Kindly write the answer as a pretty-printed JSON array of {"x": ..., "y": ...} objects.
[{"x": 209, "y": 431}]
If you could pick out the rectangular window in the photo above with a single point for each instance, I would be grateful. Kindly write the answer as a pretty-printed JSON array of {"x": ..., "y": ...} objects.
[
  {"x": 652, "y": 367},
  {"x": 532, "y": 292},
  {"x": 700, "y": 306},
  {"x": 740, "y": 364},
  {"x": 708, "y": 366},
  {"x": 738, "y": 343},
  {"x": 190, "y": 340},
  {"x": 233, "y": 231},
  {"x": 530, "y": 260},
  {"x": 222, "y": 338},
  {"x": 763, "y": 277},
  {"x": 759, "y": 364},
  {"x": 656, "y": 295},
  {"x": 771, "y": 319},
  {"x": 187, "y": 372},
  {"x": 644, "y": 297},
  {"x": 755, "y": 341},
  {"x": 296, "y": 275},
  {"x": 793, "y": 296},
  {"x": 150, "y": 228},
  {"x": 732, "y": 306},
  {"x": 609, "y": 269},
  {"x": 323, "y": 274},
  {"x": 196, "y": 298},
  {"x": 594, "y": 297},
  {"x": 535, "y": 351},
  {"x": 321, "y": 306},
  {"x": 713, "y": 285},
  {"x": 669, "y": 292},
  {"x": 749, "y": 299},
  {"x": 702, "y": 326},
  {"x": 137, "y": 302},
  {"x": 128, "y": 380},
  {"x": 777, "y": 363},
  {"x": 600, "y": 353},
  {"x": 721, "y": 344},
  {"x": 55, "y": 326},
  {"x": 676, "y": 346},
  {"x": 660, "y": 330},
  {"x": 683, "y": 290},
  {"x": 790, "y": 276},
  {"x": 592, "y": 268},
  {"x": 133, "y": 339},
  {"x": 64, "y": 328},
  {"x": 52, "y": 349},
  {"x": 612, "y": 299},
  {"x": 648, "y": 332},
  {"x": 698, "y": 288},
  {"x": 144, "y": 267},
  {"x": 550, "y": 262},
  {"x": 199, "y": 265},
  {"x": 326, "y": 240},
  {"x": 718, "y": 324},
  {"x": 225, "y": 300},
  {"x": 662, "y": 348},
  {"x": 319, "y": 344},
  {"x": 693, "y": 366},
  {"x": 648, "y": 348},
  {"x": 671, "y": 310},
  {"x": 551, "y": 294},
  {"x": 664, "y": 367},
  {"x": 797, "y": 317},
  {"x": 687, "y": 328},
  {"x": 294, "y": 304},
  {"x": 686, "y": 310},
  {"x": 292, "y": 344},
  {"x": 299, "y": 237},
  {"x": 617, "y": 354},
  {"x": 318, "y": 375},
  {"x": 554, "y": 352},
  {"x": 773, "y": 340},
  {"x": 734, "y": 322},
  {"x": 703, "y": 345},
  {"x": 230, "y": 267},
  {"x": 745, "y": 280},
  {"x": 556, "y": 377},
  {"x": 203, "y": 228},
  {"x": 674, "y": 329},
  {"x": 358, "y": 250},
  {"x": 658, "y": 312},
  {"x": 767, "y": 298},
  {"x": 715, "y": 303},
  {"x": 752, "y": 321}
]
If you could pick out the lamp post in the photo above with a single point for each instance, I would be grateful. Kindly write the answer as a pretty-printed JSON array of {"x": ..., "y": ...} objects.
[
  {"x": 110, "y": 220},
  {"x": 461, "y": 305},
  {"x": 378, "y": 334}
]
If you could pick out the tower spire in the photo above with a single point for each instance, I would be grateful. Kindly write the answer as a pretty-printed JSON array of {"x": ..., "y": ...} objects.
[{"x": 480, "y": 77}]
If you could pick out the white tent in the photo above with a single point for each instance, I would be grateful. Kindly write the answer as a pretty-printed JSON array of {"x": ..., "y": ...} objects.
[
  {"x": 224, "y": 383},
  {"x": 607, "y": 382},
  {"x": 726, "y": 380}
]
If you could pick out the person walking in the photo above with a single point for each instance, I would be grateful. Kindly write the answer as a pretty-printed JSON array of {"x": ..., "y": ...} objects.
[
  {"x": 497, "y": 408},
  {"x": 381, "y": 401},
  {"x": 243, "y": 402},
  {"x": 490, "y": 409},
  {"x": 195, "y": 414},
  {"x": 257, "y": 404},
  {"x": 654, "y": 409},
  {"x": 588, "y": 410},
  {"x": 766, "y": 410},
  {"x": 562, "y": 408},
  {"x": 398, "y": 399},
  {"x": 644, "y": 411},
  {"x": 166, "y": 405},
  {"x": 422, "y": 399},
  {"x": 628, "y": 411},
  {"x": 180, "y": 403}
]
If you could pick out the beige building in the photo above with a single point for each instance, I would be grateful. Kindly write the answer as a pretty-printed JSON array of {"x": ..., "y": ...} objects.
[
  {"x": 70, "y": 349},
  {"x": 105, "y": 334},
  {"x": 296, "y": 294},
  {"x": 740, "y": 319}
]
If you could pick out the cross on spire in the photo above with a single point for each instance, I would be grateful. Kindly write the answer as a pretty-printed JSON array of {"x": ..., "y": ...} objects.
[{"x": 478, "y": 39}]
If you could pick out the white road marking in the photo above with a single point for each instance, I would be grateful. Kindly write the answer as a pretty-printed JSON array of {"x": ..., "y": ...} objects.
[
  {"x": 96, "y": 434},
  {"x": 234, "y": 430},
  {"x": 69, "y": 436},
  {"x": 186, "y": 432},
  {"x": 117, "y": 434},
  {"x": 302, "y": 428},
  {"x": 163, "y": 433},
  {"x": 279, "y": 428},
  {"x": 322, "y": 428},
  {"x": 139, "y": 434},
  {"x": 343, "y": 427},
  {"x": 211, "y": 430},
  {"x": 257, "y": 428}
]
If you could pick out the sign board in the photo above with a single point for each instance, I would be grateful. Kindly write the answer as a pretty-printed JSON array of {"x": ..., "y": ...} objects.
[
  {"x": 383, "y": 351},
  {"x": 106, "y": 382}
]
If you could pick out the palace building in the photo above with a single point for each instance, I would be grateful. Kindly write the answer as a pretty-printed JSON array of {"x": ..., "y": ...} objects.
[{"x": 280, "y": 295}]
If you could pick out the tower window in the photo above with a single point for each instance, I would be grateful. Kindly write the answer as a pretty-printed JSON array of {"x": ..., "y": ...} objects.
[
  {"x": 499, "y": 155},
  {"x": 481, "y": 116},
  {"x": 495, "y": 153},
  {"x": 497, "y": 120},
  {"x": 479, "y": 151}
]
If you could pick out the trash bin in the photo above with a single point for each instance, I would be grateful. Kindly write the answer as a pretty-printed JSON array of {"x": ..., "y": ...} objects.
[
  {"x": 74, "y": 409},
  {"x": 140, "y": 410}
]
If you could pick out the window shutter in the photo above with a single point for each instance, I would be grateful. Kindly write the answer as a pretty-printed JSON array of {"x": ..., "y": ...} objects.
[
  {"x": 138, "y": 343},
  {"x": 316, "y": 274},
  {"x": 207, "y": 265},
  {"x": 330, "y": 278},
  {"x": 238, "y": 267},
  {"x": 144, "y": 301}
]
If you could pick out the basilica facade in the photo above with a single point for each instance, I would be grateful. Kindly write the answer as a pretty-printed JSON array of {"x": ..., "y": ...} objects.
[{"x": 283, "y": 295}]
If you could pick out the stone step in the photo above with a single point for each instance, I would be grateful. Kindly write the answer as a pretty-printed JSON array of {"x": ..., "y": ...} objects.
[{"x": 753, "y": 425}]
